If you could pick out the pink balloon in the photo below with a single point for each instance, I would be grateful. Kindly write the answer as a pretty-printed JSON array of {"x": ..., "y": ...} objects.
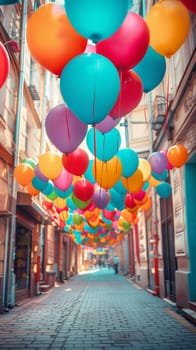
[
  {"x": 126, "y": 47},
  {"x": 64, "y": 129},
  {"x": 64, "y": 180},
  {"x": 107, "y": 124},
  {"x": 131, "y": 91},
  {"x": 5, "y": 64}
]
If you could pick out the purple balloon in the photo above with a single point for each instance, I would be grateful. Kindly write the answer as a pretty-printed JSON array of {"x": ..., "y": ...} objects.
[
  {"x": 107, "y": 124},
  {"x": 100, "y": 198},
  {"x": 158, "y": 162},
  {"x": 39, "y": 174},
  {"x": 64, "y": 129}
]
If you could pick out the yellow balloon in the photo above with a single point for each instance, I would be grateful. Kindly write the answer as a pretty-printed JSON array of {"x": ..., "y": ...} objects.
[
  {"x": 50, "y": 165},
  {"x": 60, "y": 202},
  {"x": 169, "y": 24},
  {"x": 153, "y": 182},
  {"x": 63, "y": 215},
  {"x": 133, "y": 183},
  {"x": 145, "y": 168},
  {"x": 127, "y": 215},
  {"x": 107, "y": 173}
]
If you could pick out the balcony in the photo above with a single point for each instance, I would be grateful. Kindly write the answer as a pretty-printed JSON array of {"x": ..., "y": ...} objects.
[{"x": 159, "y": 112}]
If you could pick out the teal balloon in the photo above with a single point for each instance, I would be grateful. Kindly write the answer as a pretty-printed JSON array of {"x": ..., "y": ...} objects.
[
  {"x": 151, "y": 69},
  {"x": 129, "y": 160},
  {"x": 64, "y": 194},
  {"x": 120, "y": 188},
  {"x": 164, "y": 190},
  {"x": 116, "y": 198},
  {"x": 48, "y": 189},
  {"x": 9, "y": 2},
  {"x": 146, "y": 185},
  {"x": 90, "y": 86},
  {"x": 70, "y": 203},
  {"x": 96, "y": 19},
  {"x": 88, "y": 175},
  {"x": 39, "y": 184},
  {"x": 103, "y": 145},
  {"x": 161, "y": 177}
]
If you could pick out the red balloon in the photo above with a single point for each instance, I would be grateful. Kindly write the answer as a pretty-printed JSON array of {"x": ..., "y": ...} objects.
[
  {"x": 83, "y": 190},
  {"x": 126, "y": 47},
  {"x": 190, "y": 4},
  {"x": 109, "y": 214},
  {"x": 131, "y": 91},
  {"x": 76, "y": 162},
  {"x": 129, "y": 201},
  {"x": 4, "y": 64}
]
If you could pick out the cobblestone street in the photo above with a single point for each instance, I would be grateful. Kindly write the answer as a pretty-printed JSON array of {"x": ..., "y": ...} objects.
[{"x": 96, "y": 310}]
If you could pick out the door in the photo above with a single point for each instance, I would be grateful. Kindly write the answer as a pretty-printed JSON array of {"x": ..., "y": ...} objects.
[{"x": 169, "y": 260}]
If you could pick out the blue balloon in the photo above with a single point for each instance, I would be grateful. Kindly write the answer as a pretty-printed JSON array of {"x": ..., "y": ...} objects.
[
  {"x": 103, "y": 146},
  {"x": 151, "y": 69},
  {"x": 96, "y": 19},
  {"x": 130, "y": 161},
  {"x": 161, "y": 177},
  {"x": 90, "y": 86},
  {"x": 146, "y": 185},
  {"x": 120, "y": 188},
  {"x": 116, "y": 199},
  {"x": 39, "y": 184},
  {"x": 64, "y": 194},
  {"x": 70, "y": 203},
  {"x": 48, "y": 189},
  {"x": 88, "y": 175},
  {"x": 164, "y": 190}
]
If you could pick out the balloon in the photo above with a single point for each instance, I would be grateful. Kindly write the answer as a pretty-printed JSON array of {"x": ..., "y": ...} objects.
[
  {"x": 5, "y": 64},
  {"x": 151, "y": 69},
  {"x": 8, "y": 2},
  {"x": 32, "y": 190},
  {"x": 77, "y": 219},
  {"x": 64, "y": 194},
  {"x": 107, "y": 173},
  {"x": 145, "y": 168},
  {"x": 128, "y": 45},
  {"x": 85, "y": 85},
  {"x": 100, "y": 198},
  {"x": 158, "y": 162},
  {"x": 163, "y": 176},
  {"x": 52, "y": 196},
  {"x": 164, "y": 190},
  {"x": 78, "y": 203},
  {"x": 29, "y": 161},
  {"x": 96, "y": 19},
  {"x": 147, "y": 205},
  {"x": 64, "y": 180},
  {"x": 119, "y": 187},
  {"x": 39, "y": 174},
  {"x": 139, "y": 196},
  {"x": 103, "y": 146},
  {"x": 39, "y": 184},
  {"x": 24, "y": 174},
  {"x": 129, "y": 160},
  {"x": 190, "y": 4},
  {"x": 48, "y": 189},
  {"x": 50, "y": 165},
  {"x": 51, "y": 38},
  {"x": 108, "y": 214},
  {"x": 169, "y": 24},
  {"x": 129, "y": 201},
  {"x": 107, "y": 124},
  {"x": 131, "y": 92},
  {"x": 64, "y": 129},
  {"x": 153, "y": 182},
  {"x": 133, "y": 183},
  {"x": 177, "y": 155},
  {"x": 83, "y": 190},
  {"x": 76, "y": 162}
]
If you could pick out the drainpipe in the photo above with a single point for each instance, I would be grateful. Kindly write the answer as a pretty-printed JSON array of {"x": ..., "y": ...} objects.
[{"x": 10, "y": 287}]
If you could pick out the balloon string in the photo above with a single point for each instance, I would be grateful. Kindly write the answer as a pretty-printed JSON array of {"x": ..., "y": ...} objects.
[
  {"x": 95, "y": 152},
  {"x": 167, "y": 99}
]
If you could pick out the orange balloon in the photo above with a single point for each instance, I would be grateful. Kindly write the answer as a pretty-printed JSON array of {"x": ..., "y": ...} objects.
[
  {"x": 133, "y": 183},
  {"x": 50, "y": 165},
  {"x": 32, "y": 190},
  {"x": 60, "y": 202},
  {"x": 51, "y": 38},
  {"x": 107, "y": 173},
  {"x": 169, "y": 25},
  {"x": 177, "y": 155},
  {"x": 145, "y": 168},
  {"x": 127, "y": 215},
  {"x": 153, "y": 182},
  {"x": 24, "y": 174},
  {"x": 147, "y": 205}
]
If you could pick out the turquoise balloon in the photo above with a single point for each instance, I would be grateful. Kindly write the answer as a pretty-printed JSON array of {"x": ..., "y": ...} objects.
[
  {"x": 39, "y": 184},
  {"x": 120, "y": 188},
  {"x": 151, "y": 69},
  {"x": 88, "y": 175},
  {"x": 146, "y": 185},
  {"x": 48, "y": 189},
  {"x": 9, "y": 2},
  {"x": 161, "y": 177},
  {"x": 164, "y": 190},
  {"x": 129, "y": 160},
  {"x": 70, "y": 203},
  {"x": 64, "y": 194},
  {"x": 116, "y": 199},
  {"x": 96, "y": 19},
  {"x": 90, "y": 86},
  {"x": 103, "y": 146}
]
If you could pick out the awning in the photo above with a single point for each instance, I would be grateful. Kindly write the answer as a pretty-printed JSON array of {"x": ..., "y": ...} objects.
[{"x": 32, "y": 207}]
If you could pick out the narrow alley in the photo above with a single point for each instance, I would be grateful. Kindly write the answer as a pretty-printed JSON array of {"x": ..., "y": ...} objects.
[{"x": 96, "y": 309}]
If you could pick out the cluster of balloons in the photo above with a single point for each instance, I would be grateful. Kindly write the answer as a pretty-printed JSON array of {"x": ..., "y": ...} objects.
[{"x": 97, "y": 200}]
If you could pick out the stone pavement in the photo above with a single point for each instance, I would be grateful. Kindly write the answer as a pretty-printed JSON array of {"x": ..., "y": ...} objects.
[{"x": 96, "y": 310}]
